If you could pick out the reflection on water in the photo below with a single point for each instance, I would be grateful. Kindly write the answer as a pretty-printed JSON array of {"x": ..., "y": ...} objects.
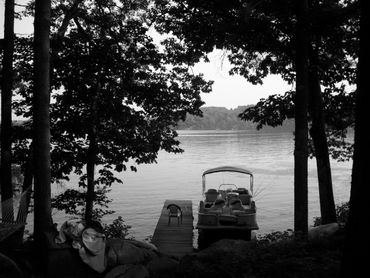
[{"x": 268, "y": 155}]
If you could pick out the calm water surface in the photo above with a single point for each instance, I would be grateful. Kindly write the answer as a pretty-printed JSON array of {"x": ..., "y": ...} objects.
[{"x": 178, "y": 176}]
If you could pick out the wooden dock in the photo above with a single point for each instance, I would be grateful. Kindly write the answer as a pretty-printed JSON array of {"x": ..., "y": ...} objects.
[{"x": 175, "y": 239}]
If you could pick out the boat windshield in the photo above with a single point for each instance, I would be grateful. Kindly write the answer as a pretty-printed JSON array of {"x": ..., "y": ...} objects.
[{"x": 227, "y": 187}]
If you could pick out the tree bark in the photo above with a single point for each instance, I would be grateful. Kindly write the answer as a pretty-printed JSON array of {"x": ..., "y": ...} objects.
[
  {"x": 356, "y": 258},
  {"x": 317, "y": 132},
  {"x": 6, "y": 111},
  {"x": 90, "y": 169},
  {"x": 301, "y": 128},
  {"x": 41, "y": 120},
  {"x": 91, "y": 156}
]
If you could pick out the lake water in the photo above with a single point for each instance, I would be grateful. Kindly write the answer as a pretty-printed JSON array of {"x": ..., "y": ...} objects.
[{"x": 178, "y": 176}]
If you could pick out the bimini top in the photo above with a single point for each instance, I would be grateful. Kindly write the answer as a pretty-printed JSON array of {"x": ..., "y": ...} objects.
[{"x": 227, "y": 169}]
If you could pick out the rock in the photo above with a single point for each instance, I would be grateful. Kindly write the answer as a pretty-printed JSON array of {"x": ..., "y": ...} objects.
[
  {"x": 145, "y": 245},
  {"x": 163, "y": 267},
  {"x": 120, "y": 252},
  {"x": 9, "y": 268},
  {"x": 224, "y": 258},
  {"x": 65, "y": 261},
  {"x": 128, "y": 271},
  {"x": 323, "y": 231}
]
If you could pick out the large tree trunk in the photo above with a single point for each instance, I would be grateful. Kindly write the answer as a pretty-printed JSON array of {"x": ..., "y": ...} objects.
[
  {"x": 301, "y": 128},
  {"x": 317, "y": 132},
  {"x": 356, "y": 258},
  {"x": 41, "y": 119},
  {"x": 6, "y": 112}
]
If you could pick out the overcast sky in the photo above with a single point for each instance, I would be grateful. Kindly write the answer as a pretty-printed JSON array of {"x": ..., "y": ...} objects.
[
  {"x": 227, "y": 91},
  {"x": 232, "y": 91}
]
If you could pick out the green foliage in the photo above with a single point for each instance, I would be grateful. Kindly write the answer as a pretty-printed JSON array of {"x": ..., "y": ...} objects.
[
  {"x": 275, "y": 237},
  {"x": 215, "y": 118},
  {"x": 259, "y": 37},
  {"x": 220, "y": 118},
  {"x": 338, "y": 111},
  {"x": 110, "y": 83},
  {"x": 282, "y": 256},
  {"x": 341, "y": 211},
  {"x": 140, "y": 96},
  {"x": 72, "y": 202},
  {"x": 272, "y": 111},
  {"x": 117, "y": 229}
]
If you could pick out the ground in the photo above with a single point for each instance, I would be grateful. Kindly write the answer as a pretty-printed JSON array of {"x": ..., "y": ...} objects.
[{"x": 276, "y": 255}]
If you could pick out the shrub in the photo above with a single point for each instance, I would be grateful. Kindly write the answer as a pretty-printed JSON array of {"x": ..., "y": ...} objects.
[
  {"x": 341, "y": 212},
  {"x": 117, "y": 229}
]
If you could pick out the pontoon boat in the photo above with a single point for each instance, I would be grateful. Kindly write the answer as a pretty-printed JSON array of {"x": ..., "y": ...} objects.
[{"x": 227, "y": 211}]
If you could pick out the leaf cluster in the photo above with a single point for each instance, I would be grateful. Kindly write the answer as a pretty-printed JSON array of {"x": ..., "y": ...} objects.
[
  {"x": 338, "y": 109},
  {"x": 141, "y": 97},
  {"x": 341, "y": 211},
  {"x": 72, "y": 202},
  {"x": 117, "y": 229},
  {"x": 109, "y": 80},
  {"x": 260, "y": 39}
]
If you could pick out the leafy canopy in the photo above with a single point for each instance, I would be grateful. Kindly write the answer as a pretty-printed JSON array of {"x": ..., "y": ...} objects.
[
  {"x": 108, "y": 75},
  {"x": 259, "y": 39}
]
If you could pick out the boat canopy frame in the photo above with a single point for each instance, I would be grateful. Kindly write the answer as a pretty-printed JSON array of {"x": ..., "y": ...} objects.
[{"x": 226, "y": 169}]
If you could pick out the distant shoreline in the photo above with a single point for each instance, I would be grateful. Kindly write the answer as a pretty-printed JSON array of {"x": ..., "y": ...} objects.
[{"x": 221, "y": 118}]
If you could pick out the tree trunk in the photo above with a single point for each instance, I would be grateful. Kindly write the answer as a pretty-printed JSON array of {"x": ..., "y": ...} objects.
[
  {"x": 6, "y": 112},
  {"x": 301, "y": 128},
  {"x": 355, "y": 259},
  {"x": 41, "y": 120},
  {"x": 91, "y": 157},
  {"x": 90, "y": 169},
  {"x": 317, "y": 132}
]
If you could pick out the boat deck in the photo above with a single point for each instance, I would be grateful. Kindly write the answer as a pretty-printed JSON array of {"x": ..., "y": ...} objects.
[{"x": 175, "y": 239}]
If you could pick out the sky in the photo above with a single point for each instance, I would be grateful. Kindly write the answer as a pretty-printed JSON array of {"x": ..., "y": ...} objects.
[
  {"x": 231, "y": 91},
  {"x": 227, "y": 91}
]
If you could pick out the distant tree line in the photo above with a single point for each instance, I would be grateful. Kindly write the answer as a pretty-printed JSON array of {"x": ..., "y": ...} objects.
[{"x": 221, "y": 118}]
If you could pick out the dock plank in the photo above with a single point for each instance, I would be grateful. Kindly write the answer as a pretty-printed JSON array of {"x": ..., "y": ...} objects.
[{"x": 175, "y": 239}]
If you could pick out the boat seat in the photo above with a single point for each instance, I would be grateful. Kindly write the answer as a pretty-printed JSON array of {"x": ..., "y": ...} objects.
[
  {"x": 174, "y": 211},
  {"x": 211, "y": 195},
  {"x": 242, "y": 190},
  {"x": 218, "y": 204},
  {"x": 236, "y": 204},
  {"x": 245, "y": 199}
]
